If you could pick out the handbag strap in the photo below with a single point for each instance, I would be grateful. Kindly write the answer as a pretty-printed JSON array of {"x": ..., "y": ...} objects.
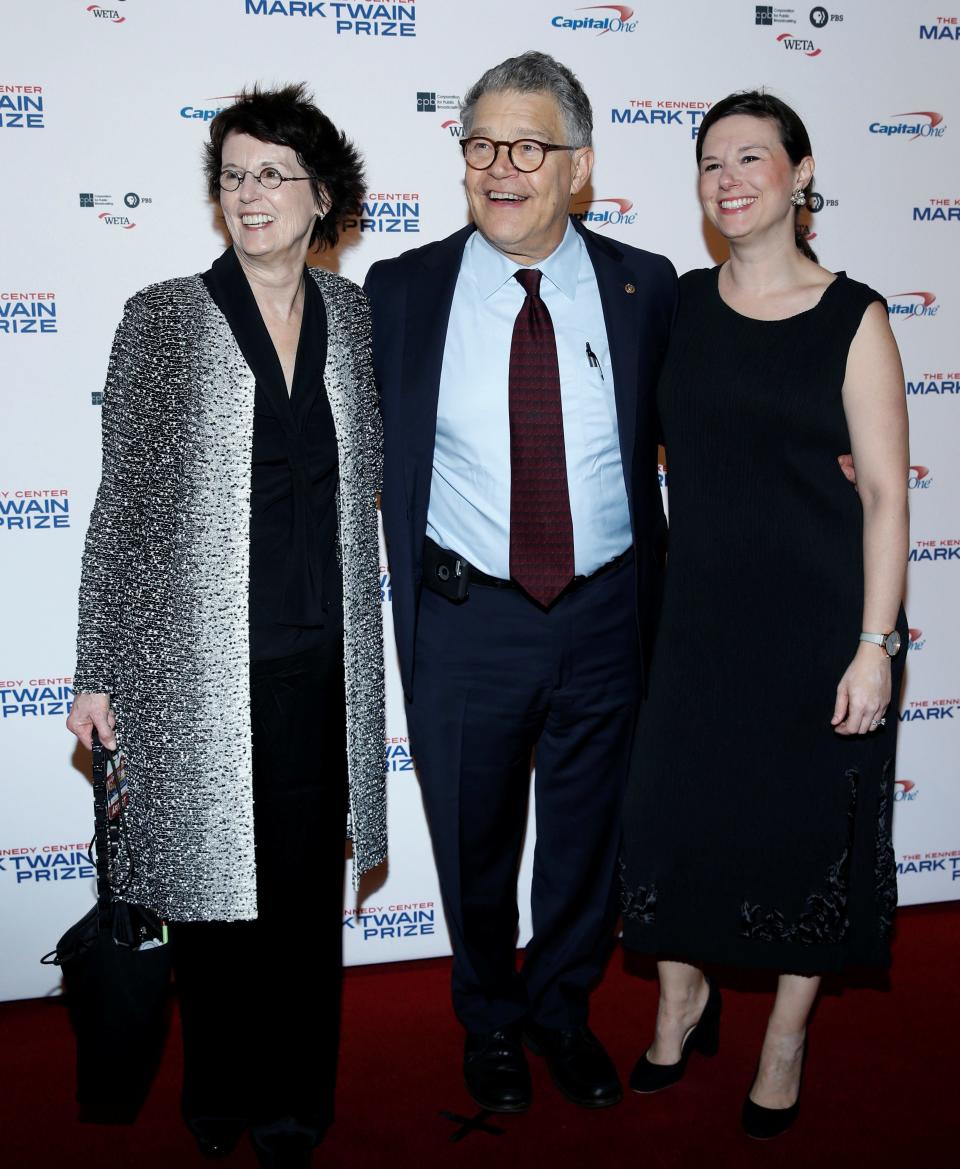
[{"x": 103, "y": 834}]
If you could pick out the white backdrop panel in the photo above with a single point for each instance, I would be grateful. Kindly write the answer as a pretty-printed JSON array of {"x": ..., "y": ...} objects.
[{"x": 103, "y": 110}]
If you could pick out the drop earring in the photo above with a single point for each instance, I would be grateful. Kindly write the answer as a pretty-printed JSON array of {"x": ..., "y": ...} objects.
[{"x": 798, "y": 198}]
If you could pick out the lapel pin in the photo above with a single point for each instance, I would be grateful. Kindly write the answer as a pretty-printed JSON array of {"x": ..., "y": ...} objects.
[{"x": 629, "y": 288}]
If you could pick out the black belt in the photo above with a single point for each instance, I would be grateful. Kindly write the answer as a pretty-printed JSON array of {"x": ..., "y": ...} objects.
[{"x": 451, "y": 575}]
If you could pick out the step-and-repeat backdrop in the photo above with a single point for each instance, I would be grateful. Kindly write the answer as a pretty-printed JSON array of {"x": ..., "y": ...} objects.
[{"x": 103, "y": 111}]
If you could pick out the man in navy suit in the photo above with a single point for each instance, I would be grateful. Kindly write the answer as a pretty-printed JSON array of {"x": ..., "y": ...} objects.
[{"x": 517, "y": 361}]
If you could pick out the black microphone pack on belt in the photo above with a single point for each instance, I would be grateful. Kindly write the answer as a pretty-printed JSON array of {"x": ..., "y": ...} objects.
[{"x": 445, "y": 572}]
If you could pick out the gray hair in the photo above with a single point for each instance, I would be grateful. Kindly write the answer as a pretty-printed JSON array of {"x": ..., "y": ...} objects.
[{"x": 534, "y": 72}]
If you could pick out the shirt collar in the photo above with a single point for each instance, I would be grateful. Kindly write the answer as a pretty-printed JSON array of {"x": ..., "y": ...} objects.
[{"x": 491, "y": 269}]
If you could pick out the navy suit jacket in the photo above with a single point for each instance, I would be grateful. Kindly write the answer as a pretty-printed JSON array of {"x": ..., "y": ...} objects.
[{"x": 411, "y": 297}]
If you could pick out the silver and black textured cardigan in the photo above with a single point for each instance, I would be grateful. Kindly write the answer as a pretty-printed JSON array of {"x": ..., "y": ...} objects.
[{"x": 163, "y": 596}]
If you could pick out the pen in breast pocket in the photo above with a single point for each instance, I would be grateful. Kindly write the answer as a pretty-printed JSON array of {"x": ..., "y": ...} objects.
[{"x": 594, "y": 361}]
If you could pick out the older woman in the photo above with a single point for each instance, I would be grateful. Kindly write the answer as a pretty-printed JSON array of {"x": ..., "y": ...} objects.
[
  {"x": 757, "y": 825},
  {"x": 230, "y": 618}
]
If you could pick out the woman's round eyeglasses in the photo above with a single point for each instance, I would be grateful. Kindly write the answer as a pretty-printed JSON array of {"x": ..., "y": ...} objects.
[
  {"x": 269, "y": 177},
  {"x": 525, "y": 154}
]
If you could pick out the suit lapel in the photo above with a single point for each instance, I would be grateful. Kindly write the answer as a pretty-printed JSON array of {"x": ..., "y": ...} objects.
[
  {"x": 614, "y": 277},
  {"x": 429, "y": 299}
]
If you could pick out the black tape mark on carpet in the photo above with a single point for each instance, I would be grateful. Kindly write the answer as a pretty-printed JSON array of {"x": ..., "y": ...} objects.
[{"x": 469, "y": 1124}]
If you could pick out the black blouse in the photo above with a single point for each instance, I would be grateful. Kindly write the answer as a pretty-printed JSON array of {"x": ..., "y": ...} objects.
[{"x": 296, "y": 589}]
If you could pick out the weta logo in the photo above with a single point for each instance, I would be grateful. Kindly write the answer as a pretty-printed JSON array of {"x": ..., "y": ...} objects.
[
  {"x": 111, "y": 15},
  {"x": 797, "y": 44}
]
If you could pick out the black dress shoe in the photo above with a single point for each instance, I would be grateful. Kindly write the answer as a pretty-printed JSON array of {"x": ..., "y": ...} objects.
[
  {"x": 216, "y": 1138},
  {"x": 578, "y": 1064},
  {"x": 703, "y": 1036},
  {"x": 495, "y": 1070}
]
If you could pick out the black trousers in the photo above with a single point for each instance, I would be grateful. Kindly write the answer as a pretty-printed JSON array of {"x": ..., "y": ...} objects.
[
  {"x": 498, "y": 679},
  {"x": 260, "y": 1000}
]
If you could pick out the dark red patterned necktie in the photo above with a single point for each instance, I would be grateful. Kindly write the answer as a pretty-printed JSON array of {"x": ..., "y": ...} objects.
[{"x": 541, "y": 528}]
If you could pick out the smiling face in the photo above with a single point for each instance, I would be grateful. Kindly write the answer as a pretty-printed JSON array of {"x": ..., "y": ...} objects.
[
  {"x": 747, "y": 178},
  {"x": 267, "y": 225},
  {"x": 524, "y": 215}
]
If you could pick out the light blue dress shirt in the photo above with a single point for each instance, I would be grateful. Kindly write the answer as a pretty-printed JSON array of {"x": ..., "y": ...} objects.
[{"x": 469, "y": 509}]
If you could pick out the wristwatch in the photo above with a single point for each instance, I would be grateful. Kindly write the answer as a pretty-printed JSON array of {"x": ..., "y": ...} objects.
[{"x": 889, "y": 641}]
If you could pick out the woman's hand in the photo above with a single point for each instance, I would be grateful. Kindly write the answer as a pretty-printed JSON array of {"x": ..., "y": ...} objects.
[
  {"x": 863, "y": 693},
  {"x": 91, "y": 711}
]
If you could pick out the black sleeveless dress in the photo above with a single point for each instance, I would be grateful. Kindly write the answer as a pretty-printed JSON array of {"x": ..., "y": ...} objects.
[{"x": 753, "y": 834}]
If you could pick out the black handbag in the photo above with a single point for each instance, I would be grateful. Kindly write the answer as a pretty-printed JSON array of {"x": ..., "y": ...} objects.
[{"x": 116, "y": 972}]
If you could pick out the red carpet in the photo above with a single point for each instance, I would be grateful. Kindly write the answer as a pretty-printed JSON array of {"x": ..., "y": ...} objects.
[{"x": 880, "y": 1087}]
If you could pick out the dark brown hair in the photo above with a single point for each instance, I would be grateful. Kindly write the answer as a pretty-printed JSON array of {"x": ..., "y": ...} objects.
[
  {"x": 287, "y": 117},
  {"x": 792, "y": 131}
]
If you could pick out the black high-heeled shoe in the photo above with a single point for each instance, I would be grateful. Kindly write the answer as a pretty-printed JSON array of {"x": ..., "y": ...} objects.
[
  {"x": 765, "y": 1123},
  {"x": 703, "y": 1036}
]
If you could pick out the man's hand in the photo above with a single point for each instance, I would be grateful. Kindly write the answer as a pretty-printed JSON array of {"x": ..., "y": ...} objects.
[{"x": 91, "y": 711}]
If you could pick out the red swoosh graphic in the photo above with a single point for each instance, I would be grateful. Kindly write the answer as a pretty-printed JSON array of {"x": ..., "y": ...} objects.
[
  {"x": 922, "y": 472},
  {"x": 927, "y": 297},
  {"x": 623, "y": 204},
  {"x": 625, "y": 12},
  {"x": 916, "y": 634},
  {"x": 935, "y": 118}
]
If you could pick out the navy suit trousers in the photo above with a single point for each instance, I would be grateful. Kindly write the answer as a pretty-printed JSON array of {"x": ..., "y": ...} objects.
[{"x": 500, "y": 683}]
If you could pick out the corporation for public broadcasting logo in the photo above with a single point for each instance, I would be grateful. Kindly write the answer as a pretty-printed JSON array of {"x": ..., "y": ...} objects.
[
  {"x": 429, "y": 101},
  {"x": 29, "y": 313},
  {"x": 912, "y": 304},
  {"x": 911, "y": 125},
  {"x": 766, "y": 15},
  {"x": 621, "y": 21},
  {"x": 601, "y": 213},
  {"x": 21, "y": 107}
]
